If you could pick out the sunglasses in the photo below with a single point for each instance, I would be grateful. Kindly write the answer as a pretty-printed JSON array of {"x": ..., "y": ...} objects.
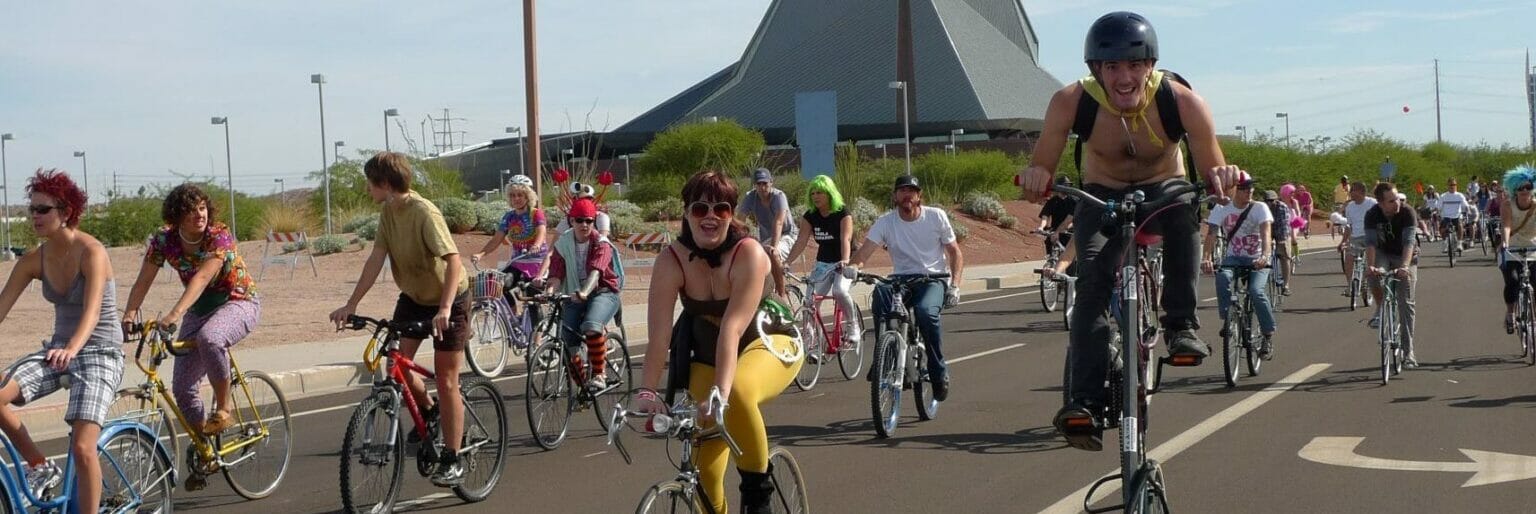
[
  {"x": 1524, "y": 189},
  {"x": 584, "y": 221},
  {"x": 722, "y": 210},
  {"x": 42, "y": 209}
]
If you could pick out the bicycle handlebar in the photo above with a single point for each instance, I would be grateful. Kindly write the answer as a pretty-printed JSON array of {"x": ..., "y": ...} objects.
[
  {"x": 868, "y": 278},
  {"x": 1138, "y": 197}
]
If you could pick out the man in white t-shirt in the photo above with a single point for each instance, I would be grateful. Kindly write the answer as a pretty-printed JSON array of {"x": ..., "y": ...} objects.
[
  {"x": 1354, "y": 241},
  {"x": 1247, "y": 224},
  {"x": 921, "y": 242},
  {"x": 1453, "y": 205}
]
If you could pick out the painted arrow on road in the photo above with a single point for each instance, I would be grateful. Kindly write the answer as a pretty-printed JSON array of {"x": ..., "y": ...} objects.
[{"x": 1487, "y": 467}]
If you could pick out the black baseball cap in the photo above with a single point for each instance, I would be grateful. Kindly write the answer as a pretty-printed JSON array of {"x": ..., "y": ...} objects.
[{"x": 907, "y": 181}]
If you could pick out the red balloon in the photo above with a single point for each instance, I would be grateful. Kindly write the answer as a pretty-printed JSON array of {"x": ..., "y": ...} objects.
[
  {"x": 605, "y": 178},
  {"x": 1405, "y": 109},
  {"x": 561, "y": 175}
]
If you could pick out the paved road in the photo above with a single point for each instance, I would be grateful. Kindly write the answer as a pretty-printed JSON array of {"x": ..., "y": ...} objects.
[{"x": 992, "y": 449}]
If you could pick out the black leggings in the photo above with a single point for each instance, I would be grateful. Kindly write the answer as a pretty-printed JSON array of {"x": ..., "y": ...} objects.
[{"x": 1511, "y": 282}]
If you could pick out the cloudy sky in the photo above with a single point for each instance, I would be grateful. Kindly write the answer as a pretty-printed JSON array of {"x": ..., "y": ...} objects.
[{"x": 134, "y": 84}]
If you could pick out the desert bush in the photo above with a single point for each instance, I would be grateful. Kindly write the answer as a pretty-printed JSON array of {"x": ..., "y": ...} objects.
[
  {"x": 285, "y": 217},
  {"x": 458, "y": 213},
  {"x": 326, "y": 245},
  {"x": 664, "y": 209},
  {"x": 685, "y": 149},
  {"x": 984, "y": 205},
  {"x": 1008, "y": 221},
  {"x": 368, "y": 228},
  {"x": 961, "y": 231}
]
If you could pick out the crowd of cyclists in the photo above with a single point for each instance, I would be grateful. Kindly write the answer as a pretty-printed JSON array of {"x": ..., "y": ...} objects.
[{"x": 1131, "y": 121}]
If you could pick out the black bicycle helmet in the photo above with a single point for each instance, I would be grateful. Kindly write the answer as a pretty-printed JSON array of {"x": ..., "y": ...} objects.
[{"x": 1120, "y": 36}]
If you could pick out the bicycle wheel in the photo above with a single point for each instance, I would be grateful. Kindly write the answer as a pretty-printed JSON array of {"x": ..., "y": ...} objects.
[
  {"x": 850, "y": 352},
  {"x": 1386, "y": 340},
  {"x": 885, "y": 389},
  {"x": 816, "y": 345},
  {"x": 927, "y": 406},
  {"x": 789, "y": 495},
  {"x": 135, "y": 402},
  {"x": 372, "y": 456},
  {"x": 261, "y": 413},
  {"x": 1147, "y": 494},
  {"x": 485, "y": 439},
  {"x": 487, "y": 350},
  {"x": 619, "y": 374},
  {"x": 668, "y": 498},
  {"x": 1452, "y": 247},
  {"x": 1048, "y": 290},
  {"x": 1354, "y": 292},
  {"x": 1068, "y": 297},
  {"x": 1250, "y": 346},
  {"x": 136, "y": 477},
  {"x": 1229, "y": 346},
  {"x": 1528, "y": 330},
  {"x": 550, "y": 395}
]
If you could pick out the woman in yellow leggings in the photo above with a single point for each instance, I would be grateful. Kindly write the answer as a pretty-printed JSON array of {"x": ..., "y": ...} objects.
[{"x": 719, "y": 275}]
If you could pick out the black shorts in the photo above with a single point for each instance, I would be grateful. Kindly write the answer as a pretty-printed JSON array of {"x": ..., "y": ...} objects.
[{"x": 408, "y": 311}]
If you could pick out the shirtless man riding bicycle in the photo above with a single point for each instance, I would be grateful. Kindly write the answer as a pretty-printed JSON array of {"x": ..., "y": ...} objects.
[{"x": 1134, "y": 150}]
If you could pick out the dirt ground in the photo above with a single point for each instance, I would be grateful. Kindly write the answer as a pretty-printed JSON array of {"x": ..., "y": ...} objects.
[{"x": 294, "y": 308}]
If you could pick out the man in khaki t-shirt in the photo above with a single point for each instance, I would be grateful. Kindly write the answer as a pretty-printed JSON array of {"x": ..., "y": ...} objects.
[{"x": 433, "y": 291}]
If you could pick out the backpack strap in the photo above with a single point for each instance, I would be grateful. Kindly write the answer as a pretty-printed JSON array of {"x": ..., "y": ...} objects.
[{"x": 1082, "y": 125}]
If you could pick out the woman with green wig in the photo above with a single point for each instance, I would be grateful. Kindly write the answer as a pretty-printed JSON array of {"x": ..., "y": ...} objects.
[{"x": 830, "y": 224}]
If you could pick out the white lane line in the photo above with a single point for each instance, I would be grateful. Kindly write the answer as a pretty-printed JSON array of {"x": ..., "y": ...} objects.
[
  {"x": 406, "y": 505},
  {"x": 1211, "y": 299},
  {"x": 590, "y": 455},
  {"x": 1073, "y": 503},
  {"x": 986, "y": 353}
]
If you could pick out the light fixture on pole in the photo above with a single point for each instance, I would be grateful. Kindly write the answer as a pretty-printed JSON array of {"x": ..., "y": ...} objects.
[
  {"x": 881, "y": 146},
  {"x": 503, "y": 184},
  {"x": 519, "y": 132},
  {"x": 319, "y": 81},
  {"x": 387, "y": 114},
  {"x": 230, "y": 171},
  {"x": 6, "y": 187},
  {"x": 1287, "y": 117},
  {"x": 906, "y": 122},
  {"x": 282, "y": 190},
  {"x": 336, "y": 156},
  {"x": 85, "y": 175},
  {"x": 1244, "y": 130},
  {"x": 566, "y": 152},
  {"x": 953, "y": 147},
  {"x": 625, "y": 158}
]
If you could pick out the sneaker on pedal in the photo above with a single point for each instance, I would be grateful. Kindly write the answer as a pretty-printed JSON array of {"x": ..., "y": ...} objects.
[
  {"x": 449, "y": 475},
  {"x": 1267, "y": 347},
  {"x": 1285, "y": 290},
  {"x": 1079, "y": 423},
  {"x": 941, "y": 388},
  {"x": 432, "y": 418},
  {"x": 1509, "y": 324},
  {"x": 1376, "y": 321},
  {"x": 43, "y": 477},
  {"x": 598, "y": 383},
  {"x": 1186, "y": 343}
]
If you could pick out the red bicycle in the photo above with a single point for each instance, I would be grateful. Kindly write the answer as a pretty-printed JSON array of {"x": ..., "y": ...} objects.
[
  {"x": 373, "y": 453},
  {"x": 821, "y": 340}
]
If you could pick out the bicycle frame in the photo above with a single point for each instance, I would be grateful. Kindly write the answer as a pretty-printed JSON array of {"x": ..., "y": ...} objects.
[
  {"x": 160, "y": 343},
  {"x": 396, "y": 374},
  {"x": 835, "y": 335},
  {"x": 685, "y": 427}
]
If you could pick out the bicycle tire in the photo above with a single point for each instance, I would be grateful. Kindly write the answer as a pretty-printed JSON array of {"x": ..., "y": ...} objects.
[
  {"x": 1048, "y": 289},
  {"x": 1229, "y": 348},
  {"x": 1354, "y": 292},
  {"x": 927, "y": 405},
  {"x": 850, "y": 353},
  {"x": 619, "y": 374},
  {"x": 1386, "y": 340},
  {"x": 135, "y": 474},
  {"x": 549, "y": 394},
  {"x": 1250, "y": 345},
  {"x": 130, "y": 399},
  {"x": 815, "y": 340},
  {"x": 885, "y": 389},
  {"x": 485, "y": 429},
  {"x": 669, "y": 498},
  {"x": 789, "y": 491},
  {"x": 1148, "y": 496},
  {"x": 1528, "y": 331},
  {"x": 1068, "y": 297},
  {"x": 1452, "y": 247},
  {"x": 380, "y": 406},
  {"x": 487, "y": 350},
  {"x": 269, "y": 408}
]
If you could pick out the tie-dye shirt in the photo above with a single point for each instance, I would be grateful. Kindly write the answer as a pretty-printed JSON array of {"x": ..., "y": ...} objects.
[
  {"x": 233, "y": 282},
  {"x": 521, "y": 226}
]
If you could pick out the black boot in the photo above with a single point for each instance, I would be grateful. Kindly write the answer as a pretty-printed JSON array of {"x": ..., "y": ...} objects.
[{"x": 756, "y": 491}]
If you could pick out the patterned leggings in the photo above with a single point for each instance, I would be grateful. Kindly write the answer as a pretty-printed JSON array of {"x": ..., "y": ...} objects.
[{"x": 213, "y": 333}]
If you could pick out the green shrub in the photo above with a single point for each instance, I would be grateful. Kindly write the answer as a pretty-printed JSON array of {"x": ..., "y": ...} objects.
[
  {"x": 460, "y": 214},
  {"x": 326, "y": 245},
  {"x": 294, "y": 246},
  {"x": 624, "y": 226},
  {"x": 488, "y": 216},
  {"x": 125, "y": 221},
  {"x": 984, "y": 205},
  {"x": 864, "y": 214},
  {"x": 961, "y": 232},
  {"x": 664, "y": 209},
  {"x": 553, "y": 217},
  {"x": 368, "y": 229},
  {"x": 623, "y": 209},
  {"x": 685, "y": 149},
  {"x": 948, "y": 178},
  {"x": 1008, "y": 221}
]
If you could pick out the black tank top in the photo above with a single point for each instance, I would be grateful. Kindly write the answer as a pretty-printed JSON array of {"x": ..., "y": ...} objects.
[
  {"x": 703, "y": 319},
  {"x": 825, "y": 230}
]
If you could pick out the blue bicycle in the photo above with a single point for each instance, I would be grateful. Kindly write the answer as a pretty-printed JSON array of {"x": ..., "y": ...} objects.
[{"x": 136, "y": 470}]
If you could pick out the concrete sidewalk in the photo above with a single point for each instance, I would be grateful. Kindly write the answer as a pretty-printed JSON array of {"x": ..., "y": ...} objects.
[{"x": 314, "y": 368}]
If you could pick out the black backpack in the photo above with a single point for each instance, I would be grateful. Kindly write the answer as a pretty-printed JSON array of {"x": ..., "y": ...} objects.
[{"x": 1167, "y": 111}]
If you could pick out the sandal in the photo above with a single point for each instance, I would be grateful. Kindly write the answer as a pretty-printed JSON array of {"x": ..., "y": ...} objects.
[{"x": 218, "y": 422}]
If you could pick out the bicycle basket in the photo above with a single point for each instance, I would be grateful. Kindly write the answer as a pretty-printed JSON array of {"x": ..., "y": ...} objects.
[{"x": 487, "y": 285}]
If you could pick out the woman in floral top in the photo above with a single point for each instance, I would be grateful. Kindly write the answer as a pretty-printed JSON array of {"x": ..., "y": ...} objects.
[
  {"x": 522, "y": 227},
  {"x": 218, "y": 308}
]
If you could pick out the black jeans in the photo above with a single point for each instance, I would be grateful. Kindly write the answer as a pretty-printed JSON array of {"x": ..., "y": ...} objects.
[{"x": 1099, "y": 252}]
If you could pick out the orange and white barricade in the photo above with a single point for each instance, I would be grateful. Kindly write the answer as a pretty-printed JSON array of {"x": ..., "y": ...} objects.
[{"x": 292, "y": 261}]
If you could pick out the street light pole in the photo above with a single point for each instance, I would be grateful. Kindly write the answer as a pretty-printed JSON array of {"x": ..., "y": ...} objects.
[
  {"x": 336, "y": 157},
  {"x": 319, "y": 81},
  {"x": 1287, "y": 117},
  {"x": 6, "y": 186},
  {"x": 230, "y": 170},
  {"x": 502, "y": 186},
  {"x": 881, "y": 146},
  {"x": 519, "y": 132},
  {"x": 85, "y": 175},
  {"x": 282, "y": 190},
  {"x": 906, "y": 122},
  {"x": 625, "y": 158},
  {"x": 1244, "y": 131},
  {"x": 387, "y": 114}
]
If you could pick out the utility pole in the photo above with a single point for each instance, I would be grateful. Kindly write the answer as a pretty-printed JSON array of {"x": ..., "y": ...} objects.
[
  {"x": 1530, "y": 96},
  {"x": 1437, "y": 102},
  {"x": 115, "y": 190},
  {"x": 531, "y": 89}
]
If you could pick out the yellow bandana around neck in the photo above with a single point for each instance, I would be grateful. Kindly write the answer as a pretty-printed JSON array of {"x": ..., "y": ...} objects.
[{"x": 1096, "y": 90}]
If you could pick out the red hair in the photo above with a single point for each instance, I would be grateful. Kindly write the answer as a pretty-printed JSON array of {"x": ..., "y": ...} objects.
[
  {"x": 56, "y": 183},
  {"x": 707, "y": 186}
]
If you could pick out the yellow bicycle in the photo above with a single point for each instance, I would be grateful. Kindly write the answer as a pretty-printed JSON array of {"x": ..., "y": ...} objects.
[{"x": 253, "y": 453}]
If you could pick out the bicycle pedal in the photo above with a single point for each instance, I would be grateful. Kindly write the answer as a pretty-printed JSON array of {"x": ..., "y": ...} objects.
[
  {"x": 1083, "y": 433},
  {"x": 195, "y": 482},
  {"x": 1184, "y": 361}
]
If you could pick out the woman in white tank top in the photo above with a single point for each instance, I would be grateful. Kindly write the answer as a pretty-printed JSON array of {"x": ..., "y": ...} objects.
[{"x": 1518, "y": 214}]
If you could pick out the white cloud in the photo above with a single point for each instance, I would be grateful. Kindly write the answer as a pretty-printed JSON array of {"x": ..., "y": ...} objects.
[{"x": 1367, "y": 21}]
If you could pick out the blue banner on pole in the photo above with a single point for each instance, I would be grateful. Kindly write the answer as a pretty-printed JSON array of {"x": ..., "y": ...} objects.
[{"x": 816, "y": 132}]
